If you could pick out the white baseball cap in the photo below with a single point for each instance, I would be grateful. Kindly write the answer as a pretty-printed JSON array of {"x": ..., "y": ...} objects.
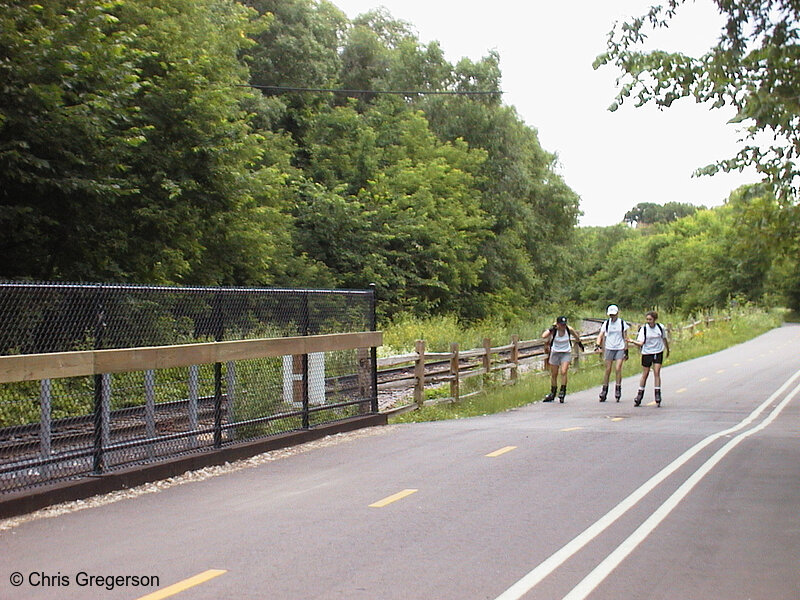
[{"x": 612, "y": 309}]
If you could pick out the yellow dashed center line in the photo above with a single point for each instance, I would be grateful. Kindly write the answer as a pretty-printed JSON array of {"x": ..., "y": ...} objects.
[
  {"x": 393, "y": 498},
  {"x": 501, "y": 451},
  {"x": 704, "y": 379},
  {"x": 720, "y": 371},
  {"x": 572, "y": 429},
  {"x": 618, "y": 419},
  {"x": 181, "y": 586},
  {"x": 680, "y": 391}
]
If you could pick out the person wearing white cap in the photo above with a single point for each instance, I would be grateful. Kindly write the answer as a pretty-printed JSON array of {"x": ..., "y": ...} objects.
[{"x": 613, "y": 341}]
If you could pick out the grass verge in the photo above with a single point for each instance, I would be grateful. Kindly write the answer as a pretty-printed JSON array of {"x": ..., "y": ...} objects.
[{"x": 532, "y": 387}]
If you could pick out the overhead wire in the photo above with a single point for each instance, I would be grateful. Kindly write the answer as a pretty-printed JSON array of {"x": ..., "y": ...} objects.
[{"x": 286, "y": 89}]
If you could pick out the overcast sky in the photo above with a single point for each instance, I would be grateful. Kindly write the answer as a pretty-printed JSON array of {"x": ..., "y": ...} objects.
[{"x": 612, "y": 160}]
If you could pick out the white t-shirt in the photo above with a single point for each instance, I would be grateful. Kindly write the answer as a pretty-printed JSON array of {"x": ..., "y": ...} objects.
[
  {"x": 615, "y": 334},
  {"x": 654, "y": 341}
]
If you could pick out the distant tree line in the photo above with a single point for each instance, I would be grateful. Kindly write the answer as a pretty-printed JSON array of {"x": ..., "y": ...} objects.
[{"x": 732, "y": 253}]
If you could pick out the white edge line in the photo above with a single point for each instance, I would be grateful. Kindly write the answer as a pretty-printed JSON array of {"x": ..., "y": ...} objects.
[
  {"x": 550, "y": 564},
  {"x": 612, "y": 561}
]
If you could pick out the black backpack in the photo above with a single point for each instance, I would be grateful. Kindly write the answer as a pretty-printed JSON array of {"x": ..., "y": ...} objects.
[{"x": 605, "y": 325}]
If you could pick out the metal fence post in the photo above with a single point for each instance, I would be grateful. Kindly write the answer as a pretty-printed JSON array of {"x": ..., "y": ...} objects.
[
  {"x": 100, "y": 419},
  {"x": 218, "y": 336},
  {"x": 304, "y": 325},
  {"x": 217, "y": 405},
  {"x": 45, "y": 425},
  {"x": 306, "y": 417},
  {"x": 364, "y": 379},
  {"x": 230, "y": 391},
  {"x": 373, "y": 325},
  {"x": 194, "y": 387},
  {"x": 106, "y": 412},
  {"x": 150, "y": 409}
]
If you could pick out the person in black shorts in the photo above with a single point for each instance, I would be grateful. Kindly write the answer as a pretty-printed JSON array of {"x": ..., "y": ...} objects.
[{"x": 654, "y": 343}]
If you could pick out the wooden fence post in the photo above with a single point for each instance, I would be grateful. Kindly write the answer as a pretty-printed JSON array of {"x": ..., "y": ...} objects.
[
  {"x": 487, "y": 355},
  {"x": 454, "y": 372},
  {"x": 514, "y": 357},
  {"x": 419, "y": 374}
]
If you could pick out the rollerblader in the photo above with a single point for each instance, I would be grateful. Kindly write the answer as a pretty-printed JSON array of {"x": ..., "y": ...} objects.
[
  {"x": 654, "y": 343},
  {"x": 558, "y": 344},
  {"x": 613, "y": 342}
]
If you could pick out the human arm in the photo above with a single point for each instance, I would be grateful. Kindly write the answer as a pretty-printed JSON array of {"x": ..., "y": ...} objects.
[
  {"x": 598, "y": 343},
  {"x": 639, "y": 341},
  {"x": 577, "y": 338}
]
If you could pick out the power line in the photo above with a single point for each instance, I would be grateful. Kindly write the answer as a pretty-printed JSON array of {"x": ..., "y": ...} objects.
[{"x": 282, "y": 89}]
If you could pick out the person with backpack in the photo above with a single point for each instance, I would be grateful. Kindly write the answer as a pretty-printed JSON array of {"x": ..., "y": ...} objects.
[
  {"x": 654, "y": 342},
  {"x": 558, "y": 347},
  {"x": 612, "y": 340}
]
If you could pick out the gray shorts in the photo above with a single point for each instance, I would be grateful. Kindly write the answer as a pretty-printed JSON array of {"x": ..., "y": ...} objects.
[
  {"x": 559, "y": 358},
  {"x": 614, "y": 354}
]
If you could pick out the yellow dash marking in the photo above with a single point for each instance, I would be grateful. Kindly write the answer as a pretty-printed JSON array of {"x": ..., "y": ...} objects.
[
  {"x": 680, "y": 391},
  {"x": 181, "y": 586},
  {"x": 393, "y": 498},
  {"x": 721, "y": 371},
  {"x": 501, "y": 451},
  {"x": 572, "y": 429},
  {"x": 704, "y": 379},
  {"x": 618, "y": 419},
  {"x": 653, "y": 403}
]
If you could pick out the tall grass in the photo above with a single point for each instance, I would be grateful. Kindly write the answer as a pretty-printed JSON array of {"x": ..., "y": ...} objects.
[
  {"x": 440, "y": 332},
  {"x": 741, "y": 326}
]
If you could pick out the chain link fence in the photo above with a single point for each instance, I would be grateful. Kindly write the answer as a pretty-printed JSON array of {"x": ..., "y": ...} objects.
[{"x": 60, "y": 428}]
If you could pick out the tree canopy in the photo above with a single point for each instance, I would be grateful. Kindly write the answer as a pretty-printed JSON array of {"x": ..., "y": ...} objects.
[
  {"x": 135, "y": 145},
  {"x": 649, "y": 213},
  {"x": 754, "y": 67}
]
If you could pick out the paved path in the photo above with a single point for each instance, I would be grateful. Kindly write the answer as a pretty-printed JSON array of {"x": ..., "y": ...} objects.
[{"x": 696, "y": 499}]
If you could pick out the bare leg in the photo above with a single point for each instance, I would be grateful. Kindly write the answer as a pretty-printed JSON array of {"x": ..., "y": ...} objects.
[
  {"x": 645, "y": 373},
  {"x": 564, "y": 369},
  {"x": 607, "y": 374}
]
